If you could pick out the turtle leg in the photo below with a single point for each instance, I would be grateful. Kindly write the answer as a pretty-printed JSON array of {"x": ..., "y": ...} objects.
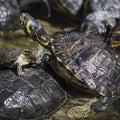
[
  {"x": 20, "y": 70},
  {"x": 21, "y": 61}
]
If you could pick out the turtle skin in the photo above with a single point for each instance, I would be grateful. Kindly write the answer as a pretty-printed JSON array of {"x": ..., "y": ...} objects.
[
  {"x": 9, "y": 14},
  {"x": 36, "y": 95},
  {"x": 85, "y": 61}
]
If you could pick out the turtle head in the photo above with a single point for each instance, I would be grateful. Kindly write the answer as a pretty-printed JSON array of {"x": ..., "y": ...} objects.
[{"x": 34, "y": 29}]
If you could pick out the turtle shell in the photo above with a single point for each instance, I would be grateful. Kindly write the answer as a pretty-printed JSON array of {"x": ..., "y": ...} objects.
[
  {"x": 36, "y": 95},
  {"x": 86, "y": 62},
  {"x": 9, "y": 55},
  {"x": 70, "y": 6},
  {"x": 9, "y": 14}
]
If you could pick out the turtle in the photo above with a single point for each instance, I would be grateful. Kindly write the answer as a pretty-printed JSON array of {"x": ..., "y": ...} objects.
[
  {"x": 17, "y": 57},
  {"x": 10, "y": 11},
  {"x": 82, "y": 60},
  {"x": 36, "y": 95},
  {"x": 102, "y": 14},
  {"x": 74, "y": 12},
  {"x": 9, "y": 14},
  {"x": 68, "y": 6}
]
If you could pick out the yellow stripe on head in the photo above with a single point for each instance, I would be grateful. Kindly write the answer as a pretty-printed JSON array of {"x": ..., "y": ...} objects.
[
  {"x": 28, "y": 27},
  {"x": 44, "y": 39}
]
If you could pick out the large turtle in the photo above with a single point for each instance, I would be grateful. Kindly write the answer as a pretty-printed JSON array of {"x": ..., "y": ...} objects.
[
  {"x": 36, "y": 95},
  {"x": 83, "y": 60}
]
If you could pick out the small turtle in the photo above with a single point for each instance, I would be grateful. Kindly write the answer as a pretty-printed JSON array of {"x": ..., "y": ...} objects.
[
  {"x": 19, "y": 57},
  {"x": 36, "y": 95},
  {"x": 84, "y": 61}
]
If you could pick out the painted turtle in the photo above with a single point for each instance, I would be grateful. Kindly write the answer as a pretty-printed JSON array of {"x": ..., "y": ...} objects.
[
  {"x": 17, "y": 57},
  {"x": 83, "y": 60},
  {"x": 36, "y": 95}
]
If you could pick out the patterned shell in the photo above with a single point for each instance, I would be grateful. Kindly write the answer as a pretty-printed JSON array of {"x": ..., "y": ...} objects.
[
  {"x": 88, "y": 62},
  {"x": 83, "y": 60},
  {"x": 71, "y": 6},
  {"x": 36, "y": 95}
]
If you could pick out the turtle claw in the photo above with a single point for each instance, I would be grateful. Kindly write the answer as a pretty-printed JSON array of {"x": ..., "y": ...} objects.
[{"x": 20, "y": 74}]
